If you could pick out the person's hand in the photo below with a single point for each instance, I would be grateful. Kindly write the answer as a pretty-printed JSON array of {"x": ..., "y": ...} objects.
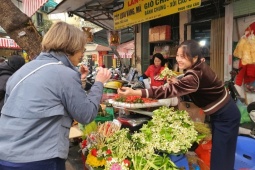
[
  {"x": 202, "y": 59},
  {"x": 172, "y": 80},
  {"x": 84, "y": 70},
  {"x": 103, "y": 75},
  {"x": 126, "y": 91}
]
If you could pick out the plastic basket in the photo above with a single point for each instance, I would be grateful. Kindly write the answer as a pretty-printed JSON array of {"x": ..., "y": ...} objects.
[
  {"x": 180, "y": 161},
  {"x": 245, "y": 153}
]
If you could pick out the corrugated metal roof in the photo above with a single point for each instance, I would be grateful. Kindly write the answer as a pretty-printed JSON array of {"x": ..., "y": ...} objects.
[{"x": 99, "y": 12}]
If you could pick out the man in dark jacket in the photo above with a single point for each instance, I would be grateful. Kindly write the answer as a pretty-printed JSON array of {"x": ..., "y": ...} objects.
[{"x": 6, "y": 70}]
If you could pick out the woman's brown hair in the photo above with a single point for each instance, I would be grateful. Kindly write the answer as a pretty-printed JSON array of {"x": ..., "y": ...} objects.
[
  {"x": 63, "y": 37},
  {"x": 191, "y": 49}
]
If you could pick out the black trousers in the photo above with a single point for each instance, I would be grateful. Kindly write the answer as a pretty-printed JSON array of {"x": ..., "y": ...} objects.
[
  {"x": 50, "y": 164},
  {"x": 225, "y": 125}
]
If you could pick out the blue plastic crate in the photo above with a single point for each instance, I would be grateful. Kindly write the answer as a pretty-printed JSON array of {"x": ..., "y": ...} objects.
[
  {"x": 245, "y": 153},
  {"x": 180, "y": 161}
]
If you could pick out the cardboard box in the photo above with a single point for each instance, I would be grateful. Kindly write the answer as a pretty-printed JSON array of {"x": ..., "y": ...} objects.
[
  {"x": 160, "y": 33},
  {"x": 154, "y": 34},
  {"x": 164, "y": 33},
  {"x": 150, "y": 35}
]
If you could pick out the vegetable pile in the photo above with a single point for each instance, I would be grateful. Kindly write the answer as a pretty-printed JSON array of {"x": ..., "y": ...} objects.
[{"x": 133, "y": 99}]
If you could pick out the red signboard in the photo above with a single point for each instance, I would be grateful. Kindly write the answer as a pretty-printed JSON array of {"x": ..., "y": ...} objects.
[{"x": 8, "y": 43}]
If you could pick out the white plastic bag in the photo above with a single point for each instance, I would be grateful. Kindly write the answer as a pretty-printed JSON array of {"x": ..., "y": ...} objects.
[{"x": 147, "y": 83}]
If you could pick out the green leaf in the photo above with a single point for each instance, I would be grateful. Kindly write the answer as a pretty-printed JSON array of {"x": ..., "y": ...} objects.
[{"x": 104, "y": 148}]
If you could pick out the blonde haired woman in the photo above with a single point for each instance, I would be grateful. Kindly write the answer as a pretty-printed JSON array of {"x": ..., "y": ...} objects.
[{"x": 43, "y": 98}]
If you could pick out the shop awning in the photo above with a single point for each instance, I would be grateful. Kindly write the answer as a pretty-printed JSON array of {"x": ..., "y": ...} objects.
[
  {"x": 125, "y": 47},
  {"x": 31, "y": 6},
  {"x": 97, "y": 12},
  {"x": 51, "y": 4},
  {"x": 102, "y": 48},
  {"x": 8, "y": 43}
]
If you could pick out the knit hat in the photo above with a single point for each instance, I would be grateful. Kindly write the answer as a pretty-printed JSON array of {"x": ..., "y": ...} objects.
[{"x": 15, "y": 62}]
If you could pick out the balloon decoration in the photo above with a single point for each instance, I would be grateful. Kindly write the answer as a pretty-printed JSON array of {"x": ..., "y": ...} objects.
[{"x": 245, "y": 49}]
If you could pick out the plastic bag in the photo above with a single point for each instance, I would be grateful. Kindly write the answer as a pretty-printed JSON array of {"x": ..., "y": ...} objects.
[
  {"x": 245, "y": 118},
  {"x": 203, "y": 151}
]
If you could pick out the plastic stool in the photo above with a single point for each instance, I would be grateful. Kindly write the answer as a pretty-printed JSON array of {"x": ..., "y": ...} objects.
[{"x": 245, "y": 153}]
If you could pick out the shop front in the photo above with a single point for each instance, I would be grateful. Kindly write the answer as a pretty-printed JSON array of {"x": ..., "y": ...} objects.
[
  {"x": 94, "y": 54},
  {"x": 9, "y": 47},
  {"x": 126, "y": 53}
]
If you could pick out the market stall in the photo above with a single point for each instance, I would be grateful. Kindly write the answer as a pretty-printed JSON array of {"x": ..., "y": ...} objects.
[{"x": 159, "y": 141}]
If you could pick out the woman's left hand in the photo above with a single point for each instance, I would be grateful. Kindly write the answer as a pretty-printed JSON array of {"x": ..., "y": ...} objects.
[
  {"x": 84, "y": 70},
  {"x": 172, "y": 80}
]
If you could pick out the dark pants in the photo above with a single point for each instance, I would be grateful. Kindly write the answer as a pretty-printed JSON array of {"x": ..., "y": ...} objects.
[
  {"x": 49, "y": 164},
  {"x": 225, "y": 126}
]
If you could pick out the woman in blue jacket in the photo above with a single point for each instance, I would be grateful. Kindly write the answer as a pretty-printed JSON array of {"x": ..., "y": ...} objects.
[{"x": 42, "y": 100}]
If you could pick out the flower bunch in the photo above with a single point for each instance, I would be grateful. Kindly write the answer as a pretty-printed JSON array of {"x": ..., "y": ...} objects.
[
  {"x": 94, "y": 146},
  {"x": 97, "y": 156},
  {"x": 170, "y": 131},
  {"x": 117, "y": 164},
  {"x": 141, "y": 153},
  {"x": 93, "y": 161},
  {"x": 95, "y": 150},
  {"x": 167, "y": 73},
  {"x": 120, "y": 144}
]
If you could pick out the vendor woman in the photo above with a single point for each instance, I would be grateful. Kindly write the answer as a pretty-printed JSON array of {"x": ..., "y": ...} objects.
[
  {"x": 153, "y": 71},
  {"x": 207, "y": 91}
]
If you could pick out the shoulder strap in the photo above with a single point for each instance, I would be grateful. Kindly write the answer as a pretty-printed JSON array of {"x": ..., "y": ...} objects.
[
  {"x": 32, "y": 72},
  {"x": 5, "y": 73}
]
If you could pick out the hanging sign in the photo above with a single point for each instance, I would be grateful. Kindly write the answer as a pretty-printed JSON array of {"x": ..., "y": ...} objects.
[{"x": 138, "y": 11}]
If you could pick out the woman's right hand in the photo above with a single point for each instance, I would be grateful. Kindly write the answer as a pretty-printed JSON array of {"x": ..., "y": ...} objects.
[
  {"x": 103, "y": 75},
  {"x": 126, "y": 91}
]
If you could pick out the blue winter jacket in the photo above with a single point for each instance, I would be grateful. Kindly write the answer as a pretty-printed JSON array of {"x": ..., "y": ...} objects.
[{"x": 38, "y": 113}]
